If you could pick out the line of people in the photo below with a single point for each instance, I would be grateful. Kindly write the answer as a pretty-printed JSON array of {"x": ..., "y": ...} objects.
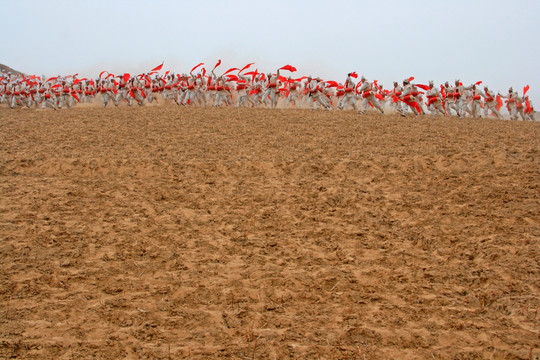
[{"x": 239, "y": 87}]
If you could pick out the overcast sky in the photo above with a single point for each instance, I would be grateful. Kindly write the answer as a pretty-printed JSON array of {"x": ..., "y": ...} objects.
[{"x": 496, "y": 41}]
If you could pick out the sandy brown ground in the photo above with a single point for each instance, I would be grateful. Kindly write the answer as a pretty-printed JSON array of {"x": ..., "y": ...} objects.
[{"x": 199, "y": 233}]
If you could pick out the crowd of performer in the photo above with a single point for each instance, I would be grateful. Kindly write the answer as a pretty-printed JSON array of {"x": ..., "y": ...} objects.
[{"x": 243, "y": 87}]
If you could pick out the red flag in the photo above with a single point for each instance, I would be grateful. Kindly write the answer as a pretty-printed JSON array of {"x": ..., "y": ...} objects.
[
  {"x": 354, "y": 75},
  {"x": 126, "y": 77},
  {"x": 245, "y": 67},
  {"x": 411, "y": 78},
  {"x": 411, "y": 103},
  {"x": 74, "y": 94},
  {"x": 53, "y": 78},
  {"x": 499, "y": 102},
  {"x": 525, "y": 89},
  {"x": 357, "y": 86},
  {"x": 196, "y": 67},
  {"x": 477, "y": 83},
  {"x": 232, "y": 77},
  {"x": 288, "y": 67},
  {"x": 253, "y": 74},
  {"x": 231, "y": 69},
  {"x": 157, "y": 68},
  {"x": 101, "y": 73},
  {"x": 528, "y": 106},
  {"x": 332, "y": 83},
  {"x": 443, "y": 92},
  {"x": 423, "y": 87},
  {"x": 218, "y": 63}
]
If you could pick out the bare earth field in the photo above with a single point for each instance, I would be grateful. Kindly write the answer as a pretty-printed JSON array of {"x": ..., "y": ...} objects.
[{"x": 162, "y": 232}]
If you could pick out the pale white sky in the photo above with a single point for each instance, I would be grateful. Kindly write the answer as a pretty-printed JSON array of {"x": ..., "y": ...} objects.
[{"x": 495, "y": 41}]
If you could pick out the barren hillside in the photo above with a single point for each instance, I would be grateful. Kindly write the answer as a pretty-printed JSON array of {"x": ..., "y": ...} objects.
[{"x": 200, "y": 233}]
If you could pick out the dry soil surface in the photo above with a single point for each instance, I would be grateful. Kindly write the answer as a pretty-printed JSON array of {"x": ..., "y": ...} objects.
[{"x": 201, "y": 233}]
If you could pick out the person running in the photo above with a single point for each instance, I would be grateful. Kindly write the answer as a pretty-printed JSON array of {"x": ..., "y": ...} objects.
[{"x": 368, "y": 96}]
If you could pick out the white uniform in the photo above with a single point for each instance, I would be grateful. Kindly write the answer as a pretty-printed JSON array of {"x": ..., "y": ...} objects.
[
  {"x": 450, "y": 100},
  {"x": 123, "y": 93},
  {"x": 242, "y": 88},
  {"x": 16, "y": 98},
  {"x": 530, "y": 115},
  {"x": 189, "y": 94},
  {"x": 476, "y": 101},
  {"x": 368, "y": 96},
  {"x": 106, "y": 90},
  {"x": 256, "y": 92},
  {"x": 48, "y": 99},
  {"x": 409, "y": 95},
  {"x": 220, "y": 93},
  {"x": 397, "y": 91},
  {"x": 294, "y": 93},
  {"x": 519, "y": 106},
  {"x": 169, "y": 92},
  {"x": 490, "y": 103},
  {"x": 315, "y": 94},
  {"x": 349, "y": 96},
  {"x": 434, "y": 100},
  {"x": 271, "y": 93},
  {"x": 511, "y": 104},
  {"x": 66, "y": 98},
  {"x": 459, "y": 91}
]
